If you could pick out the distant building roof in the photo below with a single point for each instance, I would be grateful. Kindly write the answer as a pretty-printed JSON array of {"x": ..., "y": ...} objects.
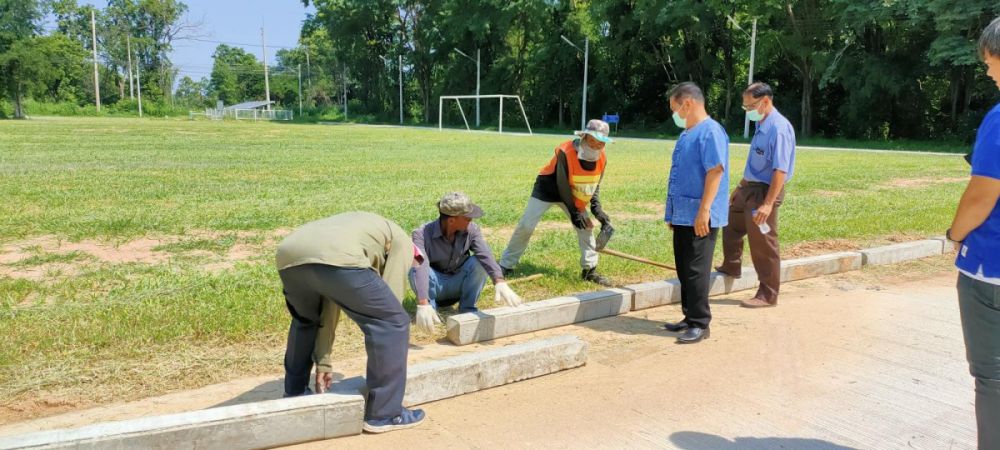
[{"x": 249, "y": 105}]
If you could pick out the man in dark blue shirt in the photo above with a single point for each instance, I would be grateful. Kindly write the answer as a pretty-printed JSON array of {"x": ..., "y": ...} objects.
[{"x": 696, "y": 205}]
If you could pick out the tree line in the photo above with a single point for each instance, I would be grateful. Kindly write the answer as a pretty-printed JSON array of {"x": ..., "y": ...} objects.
[{"x": 868, "y": 69}]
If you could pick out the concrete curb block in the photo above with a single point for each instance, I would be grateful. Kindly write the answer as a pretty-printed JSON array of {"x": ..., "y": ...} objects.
[
  {"x": 436, "y": 380},
  {"x": 799, "y": 269},
  {"x": 722, "y": 284},
  {"x": 901, "y": 252},
  {"x": 659, "y": 293},
  {"x": 468, "y": 328},
  {"x": 264, "y": 424},
  {"x": 654, "y": 293},
  {"x": 273, "y": 423}
]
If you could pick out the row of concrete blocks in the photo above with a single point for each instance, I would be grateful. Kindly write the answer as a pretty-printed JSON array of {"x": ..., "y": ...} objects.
[
  {"x": 507, "y": 321},
  {"x": 289, "y": 421}
]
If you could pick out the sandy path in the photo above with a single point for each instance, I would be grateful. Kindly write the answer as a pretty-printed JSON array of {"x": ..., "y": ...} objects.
[{"x": 860, "y": 360}]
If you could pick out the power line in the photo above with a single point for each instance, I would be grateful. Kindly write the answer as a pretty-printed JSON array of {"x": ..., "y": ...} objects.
[{"x": 241, "y": 44}]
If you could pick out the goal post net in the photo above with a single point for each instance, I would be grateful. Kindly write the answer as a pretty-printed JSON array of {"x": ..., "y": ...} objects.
[{"x": 458, "y": 101}]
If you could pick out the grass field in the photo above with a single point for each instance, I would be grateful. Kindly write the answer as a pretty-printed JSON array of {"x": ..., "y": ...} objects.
[{"x": 136, "y": 255}]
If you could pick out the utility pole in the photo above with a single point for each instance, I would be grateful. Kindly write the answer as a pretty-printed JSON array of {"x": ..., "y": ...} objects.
[
  {"x": 753, "y": 51},
  {"x": 477, "y": 89},
  {"x": 308, "y": 69},
  {"x": 138, "y": 83},
  {"x": 128, "y": 50},
  {"x": 300, "y": 90},
  {"x": 401, "y": 89},
  {"x": 586, "y": 62},
  {"x": 345, "y": 92},
  {"x": 97, "y": 81},
  {"x": 267, "y": 82}
]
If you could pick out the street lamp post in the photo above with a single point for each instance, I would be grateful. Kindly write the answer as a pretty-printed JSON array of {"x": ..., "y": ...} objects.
[
  {"x": 586, "y": 61},
  {"x": 753, "y": 51},
  {"x": 477, "y": 79}
]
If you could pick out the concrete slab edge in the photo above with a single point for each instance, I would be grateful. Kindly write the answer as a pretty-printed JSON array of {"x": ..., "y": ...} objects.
[
  {"x": 289, "y": 421},
  {"x": 263, "y": 424}
]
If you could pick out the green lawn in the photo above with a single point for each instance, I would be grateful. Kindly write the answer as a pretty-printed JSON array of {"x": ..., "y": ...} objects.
[{"x": 203, "y": 203}]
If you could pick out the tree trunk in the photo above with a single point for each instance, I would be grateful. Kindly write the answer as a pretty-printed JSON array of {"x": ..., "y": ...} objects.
[
  {"x": 18, "y": 100},
  {"x": 954, "y": 97},
  {"x": 806, "y": 102}
]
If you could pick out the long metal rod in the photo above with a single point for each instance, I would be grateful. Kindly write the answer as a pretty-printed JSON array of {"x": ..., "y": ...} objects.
[
  {"x": 586, "y": 61},
  {"x": 608, "y": 251},
  {"x": 128, "y": 51},
  {"x": 463, "y": 114},
  {"x": 501, "y": 114},
  {"x": 138, "y": 83},
  {"x": 267, "y": 82},
  {"x": 477, "y": 89},
  {"x": 97, "y": 80},
  {"x": 400, "y": 89},
  {"x": 524, "y": 114}
]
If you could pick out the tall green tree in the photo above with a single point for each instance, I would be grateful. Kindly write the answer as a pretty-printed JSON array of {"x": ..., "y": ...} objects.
[
  {"x": 236, "y": 76},
  {"x": 19, "y": 24}
]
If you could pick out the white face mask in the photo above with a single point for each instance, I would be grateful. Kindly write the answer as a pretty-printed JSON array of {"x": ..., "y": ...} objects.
[{"x": 586, "y": 153}]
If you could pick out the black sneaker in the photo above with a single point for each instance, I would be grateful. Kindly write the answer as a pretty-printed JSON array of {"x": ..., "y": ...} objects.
[
  {"x": 506, "y": 272},
  {"x": 408, "y": 419},
  {"x": 592, "y": 276}
]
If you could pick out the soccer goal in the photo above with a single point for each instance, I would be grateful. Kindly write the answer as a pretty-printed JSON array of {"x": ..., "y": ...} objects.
[{"x": 458, "y": 101}]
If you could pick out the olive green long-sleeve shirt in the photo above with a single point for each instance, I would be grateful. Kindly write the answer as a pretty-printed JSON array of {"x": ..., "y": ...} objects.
[{"x": 354, "y": 239}]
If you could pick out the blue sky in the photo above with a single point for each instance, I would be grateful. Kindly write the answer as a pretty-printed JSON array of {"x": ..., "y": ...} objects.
[{"x": 235, "y": 21}]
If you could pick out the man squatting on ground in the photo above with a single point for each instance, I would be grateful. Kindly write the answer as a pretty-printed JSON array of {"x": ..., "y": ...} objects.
[
  {"x": 756, "y": 200},
  {"x": 456, "y": 264},
  {"x": 976, "y": 233},
  {"x": 571, "y": 180},
  {"x": 696, "y": 205},
  {"x": 355, "y": 262}
]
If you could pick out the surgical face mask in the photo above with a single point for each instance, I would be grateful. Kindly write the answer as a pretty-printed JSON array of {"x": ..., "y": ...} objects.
[
  {"x": 754, "y": 115},
  {"x": 678, "y": 121},
  {"x": 586, "y": 153}
]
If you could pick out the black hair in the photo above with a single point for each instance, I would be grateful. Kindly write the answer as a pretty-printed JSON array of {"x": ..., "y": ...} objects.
[
  {"x": 758, "y": 90},
  {"x": 687, "y": 90}
]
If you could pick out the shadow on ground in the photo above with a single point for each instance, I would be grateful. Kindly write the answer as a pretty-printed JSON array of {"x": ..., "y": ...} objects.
[{"x": 692, "y": 440}]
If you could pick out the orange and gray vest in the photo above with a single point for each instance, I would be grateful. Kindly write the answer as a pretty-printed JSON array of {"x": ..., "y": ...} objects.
[{"x": 583, "y": 183}]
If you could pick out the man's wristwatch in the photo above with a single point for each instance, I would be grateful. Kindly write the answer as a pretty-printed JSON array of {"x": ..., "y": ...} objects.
[{"x": 947, "y": 235}]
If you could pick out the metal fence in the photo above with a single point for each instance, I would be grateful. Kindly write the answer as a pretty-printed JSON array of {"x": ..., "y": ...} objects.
[
  {"x": 259, "y": 114},
  {"x": 243, "y": 114}
]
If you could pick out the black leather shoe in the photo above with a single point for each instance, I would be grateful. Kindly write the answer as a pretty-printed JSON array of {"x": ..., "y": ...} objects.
[
  {"x": 592, "y": 276},
  {"x": 693, "y": 336},
  {"x": 676, "y": 327}
]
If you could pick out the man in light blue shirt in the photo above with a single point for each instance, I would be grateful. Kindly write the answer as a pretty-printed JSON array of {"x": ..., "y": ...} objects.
[
  {"x": 753, "y": 209},
  {"x": 696, "y": 205}
]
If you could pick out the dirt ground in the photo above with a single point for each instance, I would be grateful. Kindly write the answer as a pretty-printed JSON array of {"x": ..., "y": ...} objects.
[{"x": 866, "y": 359}]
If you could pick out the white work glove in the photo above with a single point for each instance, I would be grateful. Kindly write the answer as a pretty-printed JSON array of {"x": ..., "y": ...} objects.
[
  {"x": 505, "y": 295},
  {"x": 427, "y": 318}
]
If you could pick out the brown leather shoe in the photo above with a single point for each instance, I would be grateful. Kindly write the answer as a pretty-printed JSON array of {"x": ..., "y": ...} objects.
[
  {"x": 757, "y": 303},
  {"x": 737, "y": 276}
]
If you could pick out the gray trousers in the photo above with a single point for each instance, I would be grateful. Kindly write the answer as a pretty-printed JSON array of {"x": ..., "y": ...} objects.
[
  {"x": 979, "y": 304},
  {"x": 366, "y": 299},
  {"x": 526, "y": 226}
]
